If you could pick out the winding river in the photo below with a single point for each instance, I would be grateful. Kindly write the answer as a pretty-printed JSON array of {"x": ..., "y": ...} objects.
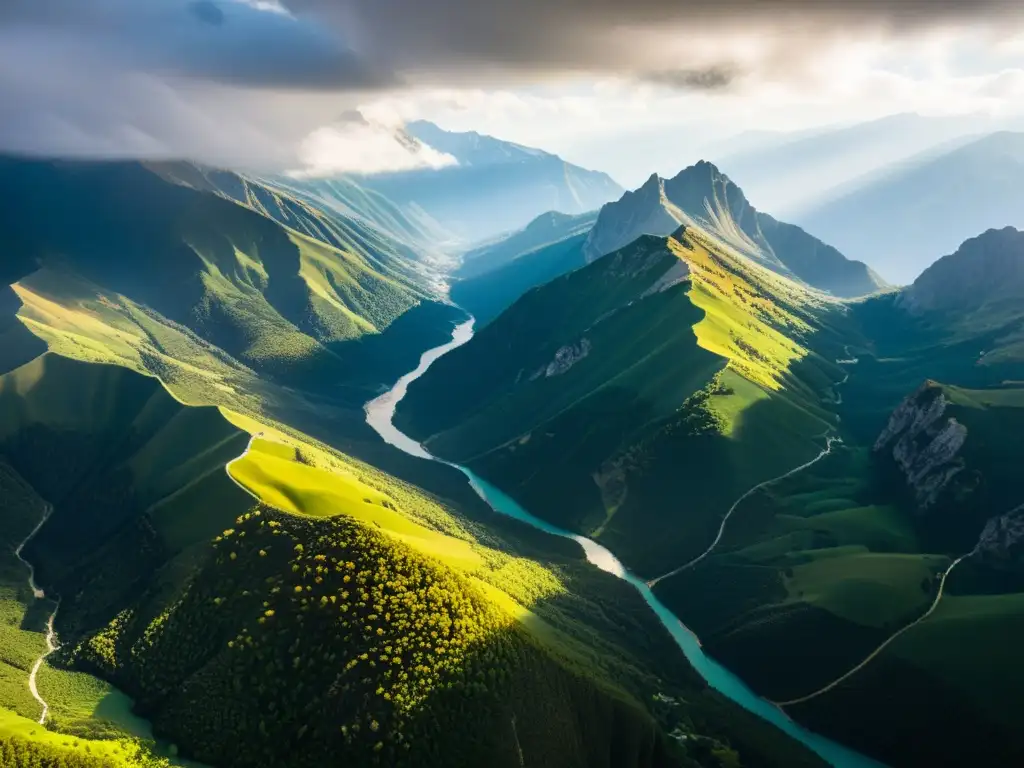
[{"x": 380, "y": 414}]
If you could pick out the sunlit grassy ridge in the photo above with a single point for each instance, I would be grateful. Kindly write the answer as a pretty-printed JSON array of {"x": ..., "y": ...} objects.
[
  {"x": 596, "y": 446},
  {"x": 282, "y": 481},
  {"x": 748, "y": 310},
  {"x": 336, "y": 211}
]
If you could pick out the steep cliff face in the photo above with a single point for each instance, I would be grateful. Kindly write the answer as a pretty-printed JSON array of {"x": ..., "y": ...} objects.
[
  {"x": 1002, "y": 540},
  {"x": 924, "y": 443},
  {"x": 645, "y": 211}
]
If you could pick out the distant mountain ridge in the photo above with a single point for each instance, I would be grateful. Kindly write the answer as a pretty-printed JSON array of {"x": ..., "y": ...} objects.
[
  {"x": 796, "y": 172},
  {"x": 472, "y": 148},
  {"x": 546, "y": 229},
  {"x": 926, "y": 206},
  {"x": 496, "y": 187},
  {"x": 703, "y": 196}
]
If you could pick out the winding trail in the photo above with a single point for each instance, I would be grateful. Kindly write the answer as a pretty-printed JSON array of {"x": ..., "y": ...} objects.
[
  {"x": 39, "y": 594},
  {"x": 725, "y": 520},
  {"x": 829, "y": 442},
  {"x": 892, "y": 638},
  {"x": 227, "y": 467}
]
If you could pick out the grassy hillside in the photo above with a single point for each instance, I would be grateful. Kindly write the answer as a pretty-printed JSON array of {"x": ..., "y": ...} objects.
[
  {"x": 593, "y": 398},
  {"x": 816, "y": 571},
  {"x": 123, "y": 464},
  {"x": 200, "y": 621},
  {"x": 337, "y": 212},
  {"x": 345, "y": 196},
  {"x": 292, "y": 303}
]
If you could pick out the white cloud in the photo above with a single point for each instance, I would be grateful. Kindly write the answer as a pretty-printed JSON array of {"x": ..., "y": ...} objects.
[{"x": 356, "y": 145}]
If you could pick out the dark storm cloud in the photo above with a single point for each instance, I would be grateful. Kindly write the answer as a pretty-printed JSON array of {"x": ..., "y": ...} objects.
[
  {"x": 450, "y": 36},
  {"x": 244, "y": 81},
  {"x": 220, "y": 40},
  {"x": 207, "y": 11},
  {"x": 712, "y": 78}
]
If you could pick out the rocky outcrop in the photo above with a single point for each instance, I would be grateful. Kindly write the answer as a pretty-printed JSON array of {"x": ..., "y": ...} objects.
[
  {"x": 565, "y": 358},
  {"x": 1002, "y": 540},
  {"x": 643, "y": 212},
  {"x": 924, "y": 443},
  {"x": 677, "y": 273}
]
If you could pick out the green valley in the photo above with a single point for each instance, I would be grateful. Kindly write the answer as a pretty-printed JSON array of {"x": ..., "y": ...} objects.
[
  {"x": 673, "y": 400},
  {"x": 226, "y": 575},
  {"x": 575, "y": 425},
  {"x": 328, "y": 548},
  {"x": 337, "y": 431}
]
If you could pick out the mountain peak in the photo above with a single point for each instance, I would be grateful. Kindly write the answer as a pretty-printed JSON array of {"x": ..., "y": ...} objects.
[
  {"x": 654, "y": 181},
  {"x": 702, "y": 196},
  {"x": 701, "y": 167},
  {"x": 984, "y": 273}
]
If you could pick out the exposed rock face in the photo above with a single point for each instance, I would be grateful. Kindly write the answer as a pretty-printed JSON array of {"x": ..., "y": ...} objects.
[
  {"x": 565, "y": 358},
  {"x": 677, "y": 273},
  {"x": 643, "y": 212},
  {"x": 924, "y": 444},
  {"x": 1002, "y": 540}
]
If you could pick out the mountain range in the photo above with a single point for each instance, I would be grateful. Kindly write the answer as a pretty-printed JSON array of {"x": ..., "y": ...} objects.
[
  {"x": 186, "y": 465},
  {"x": 926, "y": 205},
  {"x": 493, "y": 276},
  {"x": 209, "y": 552},
  {"x": 679, "y": 400},
  {"x": 496, "y": 187},
  {"x": 801, "y": 171}
]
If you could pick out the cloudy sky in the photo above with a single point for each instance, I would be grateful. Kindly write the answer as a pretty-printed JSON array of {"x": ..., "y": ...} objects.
[{"x": 318, "y": 86}]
